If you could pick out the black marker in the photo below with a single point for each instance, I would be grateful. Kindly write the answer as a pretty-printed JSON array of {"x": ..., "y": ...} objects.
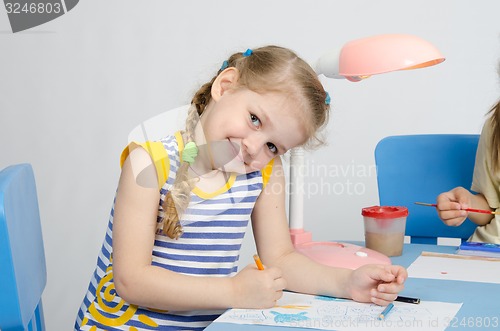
[{"x": 408, "y": 300}]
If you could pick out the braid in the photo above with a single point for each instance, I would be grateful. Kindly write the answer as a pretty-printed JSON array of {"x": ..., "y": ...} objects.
[
  {"x": 179, "y": 195},
  {"x": 202, "y": 97}
]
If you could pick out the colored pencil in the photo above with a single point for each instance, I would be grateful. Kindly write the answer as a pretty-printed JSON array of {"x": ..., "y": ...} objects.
[
  {"x": 470, "y": 210},
  {"x": 386, "y": 311},
  {"x": 258, "y": 262}
]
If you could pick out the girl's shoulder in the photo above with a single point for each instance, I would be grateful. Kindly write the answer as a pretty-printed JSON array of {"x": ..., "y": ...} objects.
[{"x": 158, "y": 152}]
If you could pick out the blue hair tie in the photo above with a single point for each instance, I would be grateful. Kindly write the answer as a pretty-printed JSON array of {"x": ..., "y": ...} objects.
[
  {"x": 224, "y": 65},
  {"x": 327, "y": 98},
  {"x": 248, "y": 52}
]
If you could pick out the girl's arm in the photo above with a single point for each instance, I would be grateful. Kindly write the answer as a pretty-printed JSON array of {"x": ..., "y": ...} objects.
[
  {"x": 140, "y": 283},
  {"x": 374, "y": 283}
]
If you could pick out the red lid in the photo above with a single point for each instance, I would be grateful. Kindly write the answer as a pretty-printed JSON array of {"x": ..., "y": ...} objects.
[{"x": 384, "y": 212}]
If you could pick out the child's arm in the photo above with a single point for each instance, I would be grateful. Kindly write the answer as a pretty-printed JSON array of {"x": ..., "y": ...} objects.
[
  {"x": 451, "y": 203},
  {"x": 138, "y": 282},
  {"x": 373, "y": 283}
]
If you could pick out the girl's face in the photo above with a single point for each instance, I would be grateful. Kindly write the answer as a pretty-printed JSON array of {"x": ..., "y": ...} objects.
[{"x": 246, "y": 129}]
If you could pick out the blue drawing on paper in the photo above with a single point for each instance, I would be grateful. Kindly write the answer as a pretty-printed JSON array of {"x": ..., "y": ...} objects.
[
  {"x": 287, "y": 318},
  {"x": 327, "y": 298}
]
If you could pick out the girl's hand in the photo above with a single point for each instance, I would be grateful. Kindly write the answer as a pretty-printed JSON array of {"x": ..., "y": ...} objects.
[
  {"x": 377, "y": 283},
  {"x": 449, "y": 205},
  {"x": 255, "y": 288}
]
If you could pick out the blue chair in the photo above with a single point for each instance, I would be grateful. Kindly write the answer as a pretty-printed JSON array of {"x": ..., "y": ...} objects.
[
  {"x": 415, "y": 168},
  {"x": 22, "y": 260}
]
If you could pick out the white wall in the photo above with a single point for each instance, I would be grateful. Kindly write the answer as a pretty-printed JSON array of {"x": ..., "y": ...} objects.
[{"x": 72, "y": 89}]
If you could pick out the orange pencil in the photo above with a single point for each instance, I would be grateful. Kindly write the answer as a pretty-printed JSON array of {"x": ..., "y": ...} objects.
[{"x": 258, "y": 262}]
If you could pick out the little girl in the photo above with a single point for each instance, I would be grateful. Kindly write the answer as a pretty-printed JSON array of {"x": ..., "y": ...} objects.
[
  {"x": 169, "y": 259},
  {"x": 486, "y": 181}
]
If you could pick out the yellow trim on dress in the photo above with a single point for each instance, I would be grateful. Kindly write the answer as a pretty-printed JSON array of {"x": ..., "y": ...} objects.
[
  {"x": 158, "y": 155},
  {"x": 199, "y": 192},
  {"x": 208, "y": 195},
  {"x": 162, "y": 165},
  {"x": 266, "y": 173},
  {"x": 180, "y": 143}
]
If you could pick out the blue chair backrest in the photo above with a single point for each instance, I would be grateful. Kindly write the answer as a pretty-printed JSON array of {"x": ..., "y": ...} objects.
[
  {"x": 22, "y": 260},
  {"x": 415, "y": 168}
]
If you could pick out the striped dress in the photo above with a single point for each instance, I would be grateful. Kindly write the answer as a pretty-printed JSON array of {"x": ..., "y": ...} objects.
[{"x": 214, "y": 226}]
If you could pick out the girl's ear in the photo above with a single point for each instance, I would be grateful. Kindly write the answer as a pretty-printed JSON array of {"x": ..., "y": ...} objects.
[{"x": 224, "y": 81}]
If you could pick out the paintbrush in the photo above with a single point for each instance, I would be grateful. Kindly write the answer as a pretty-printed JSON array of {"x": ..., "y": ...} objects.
[{"x": 470, "y": 210}]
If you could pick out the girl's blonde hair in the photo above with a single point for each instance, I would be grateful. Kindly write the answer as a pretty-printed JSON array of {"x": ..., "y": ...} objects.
[
  {"x": 495, "y": 136},
  {"x": 495, "y": 132},
  {"x": 265, "y": 69}
]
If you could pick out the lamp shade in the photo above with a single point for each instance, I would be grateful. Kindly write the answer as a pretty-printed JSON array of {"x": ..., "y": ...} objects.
[
  {"x": 385, "y": 53},
  {"x": 378, "y": 54}
]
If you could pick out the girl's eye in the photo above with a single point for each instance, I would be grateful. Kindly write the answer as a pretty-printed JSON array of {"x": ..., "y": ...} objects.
[
  {"x": 272, "y": 148},
  {"x": 255, "y": 120}
]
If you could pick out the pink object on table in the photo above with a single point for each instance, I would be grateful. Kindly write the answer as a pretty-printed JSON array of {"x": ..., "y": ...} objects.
[{"x": 336, "y": 254}]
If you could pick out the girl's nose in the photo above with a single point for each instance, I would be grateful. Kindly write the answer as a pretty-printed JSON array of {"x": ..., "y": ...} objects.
[{"x": 253, "y": 144}]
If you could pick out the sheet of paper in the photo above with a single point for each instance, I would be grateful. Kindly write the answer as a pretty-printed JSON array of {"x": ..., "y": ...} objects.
[
  {"x": 448, "y": 268},
  {"x": 326, "y": 313}
]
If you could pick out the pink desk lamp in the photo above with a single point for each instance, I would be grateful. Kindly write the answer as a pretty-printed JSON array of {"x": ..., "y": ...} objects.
[{"x": 356, "y": 60}]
